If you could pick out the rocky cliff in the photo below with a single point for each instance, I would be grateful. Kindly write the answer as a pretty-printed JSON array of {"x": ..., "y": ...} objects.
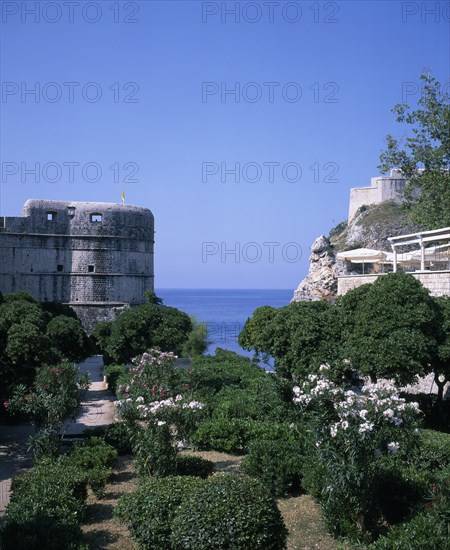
[{"x": 370, "y": 228}]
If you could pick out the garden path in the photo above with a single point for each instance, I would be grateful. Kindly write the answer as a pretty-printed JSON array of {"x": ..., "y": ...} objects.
[{"x": 97, "y": 409}]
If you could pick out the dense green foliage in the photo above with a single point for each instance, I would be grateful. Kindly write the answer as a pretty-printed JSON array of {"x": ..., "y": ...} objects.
[
  {"x": 68, "y": 337},
  {"x": 244, "y": 402},
  {"x": 118, "y": 435},
  {"x": 150, "y": 510},
  {"x": 236, "y": 388},
  {"x": 150, "y": 325},
  {"x": 441, "y": 365},
  {"x": 94, "y": 457},
  {"x": 392, "y": 328},
  {"x": 188, "y": 465},
  {"x": 47, "y": 502},
  {"x": 56, "y": 392},
  {"x": 229, "y": 511},
  {"x": 155, "y": 451},
  {"x": 197, "y": 343},
  {"x": 33, "y": 335},
  {"x": 428, "y": 147},
  {"x": 115, "y": 375},
  {"x": 276, "y": 462},
  {"x": 433, "y": 451},
  {"x": 427, "y": 529},
  {"x": 299, "y": 336}
]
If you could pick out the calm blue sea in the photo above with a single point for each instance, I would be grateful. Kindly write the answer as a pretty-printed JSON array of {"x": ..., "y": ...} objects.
[{"x": 223, "y": 311}]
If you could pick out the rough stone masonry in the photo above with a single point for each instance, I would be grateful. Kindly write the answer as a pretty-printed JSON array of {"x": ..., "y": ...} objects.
[{"x": 95, "y": 256}]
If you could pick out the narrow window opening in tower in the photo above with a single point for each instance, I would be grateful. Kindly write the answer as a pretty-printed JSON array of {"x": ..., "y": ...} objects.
[
  {"x": 96, "y": 218},
  {"x": 59, "y": 267},
  {"x": 51, "y": 216},
  {"x": 91, "y": 269}
]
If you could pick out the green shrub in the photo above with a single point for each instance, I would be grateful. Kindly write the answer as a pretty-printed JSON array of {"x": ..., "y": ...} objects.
[
  {"x": 118, "y": 435},
  {"x": 149, "y": 511},
  {"x": 68, "y": 338},
  {"x": 423, "y": 531},
  {"x": 433, "y": 451},
  {"x": 45, "y": 508},
  {"x": 114, "y": 375},
  {"x": 155, "y": 452},
  {"x": 277, "y": 463},
  {"x": 40, "y": 531},
  {"x": 211, "y": 373},
  {"x": 436, "y": 415},
  {"x": 258, "y": 400},
  {"x": 194, "y": 466},
  {"x": 223, "y": 434},
  {"x": 235, "y": 435},
  {"x": 400, "y": 490},
  {"x": 95, "y": 458},
  {"x": 231, "y": 402},
  {"x": 229, "y": 511}
]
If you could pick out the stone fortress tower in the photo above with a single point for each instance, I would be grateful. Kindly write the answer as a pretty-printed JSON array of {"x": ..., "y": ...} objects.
[
  {"x": 382, "y": 188},
  {"x": 95, "y": 256}
]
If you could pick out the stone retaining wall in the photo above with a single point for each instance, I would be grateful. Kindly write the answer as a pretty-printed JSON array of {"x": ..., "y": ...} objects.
[{"x": 437, "y": 282}]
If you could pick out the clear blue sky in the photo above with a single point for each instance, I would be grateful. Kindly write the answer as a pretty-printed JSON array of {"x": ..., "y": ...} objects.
[{"x": 350, "y": 60}]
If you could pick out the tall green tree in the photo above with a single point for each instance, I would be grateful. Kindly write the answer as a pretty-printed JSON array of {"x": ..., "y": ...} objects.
[
  {"x": 392, "y": 328},
  {"x": 300, "y": 336},
  {"x": 427, "y": 148}
]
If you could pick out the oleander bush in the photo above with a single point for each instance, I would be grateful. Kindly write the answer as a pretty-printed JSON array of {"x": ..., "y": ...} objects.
[
  {"x": 150, "y": 510},
  {"x": 56, "y": 393},
  {"x": 349, "y": 434},
  {"x": 155, "y": 451},
  {"x": 229, "y": 511}
]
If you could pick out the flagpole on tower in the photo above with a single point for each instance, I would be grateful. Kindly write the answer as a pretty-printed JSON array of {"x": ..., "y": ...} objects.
[{"x": 123, "y": 197}]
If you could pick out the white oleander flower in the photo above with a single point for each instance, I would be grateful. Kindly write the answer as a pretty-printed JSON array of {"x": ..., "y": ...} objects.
[{"x": 393, "y": 447}]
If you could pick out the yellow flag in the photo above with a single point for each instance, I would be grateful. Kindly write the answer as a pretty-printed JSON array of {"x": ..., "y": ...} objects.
[{"x": 123, "y": 196}]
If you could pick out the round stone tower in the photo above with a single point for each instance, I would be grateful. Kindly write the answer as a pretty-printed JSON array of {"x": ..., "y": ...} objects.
[{"x": 94, "y": 256}]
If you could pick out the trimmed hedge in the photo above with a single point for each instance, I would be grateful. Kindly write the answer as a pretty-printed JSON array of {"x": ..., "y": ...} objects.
[
  {"x": 229, "y": 511},
  {"x": 45, "y": 508},
  {"x": 235, "y": 435},
  {"x": 150, "y": 510},
  {"x": 47, "y": 502},
  {"x": 118, "y": 435},
  {"x": 194, "y": 466},
  {"x": 277, "y": 463},
  {"x": 423, "y": 531},
  {"x": 95, "y": 458},
  {"x": 433, "y": 451}
]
